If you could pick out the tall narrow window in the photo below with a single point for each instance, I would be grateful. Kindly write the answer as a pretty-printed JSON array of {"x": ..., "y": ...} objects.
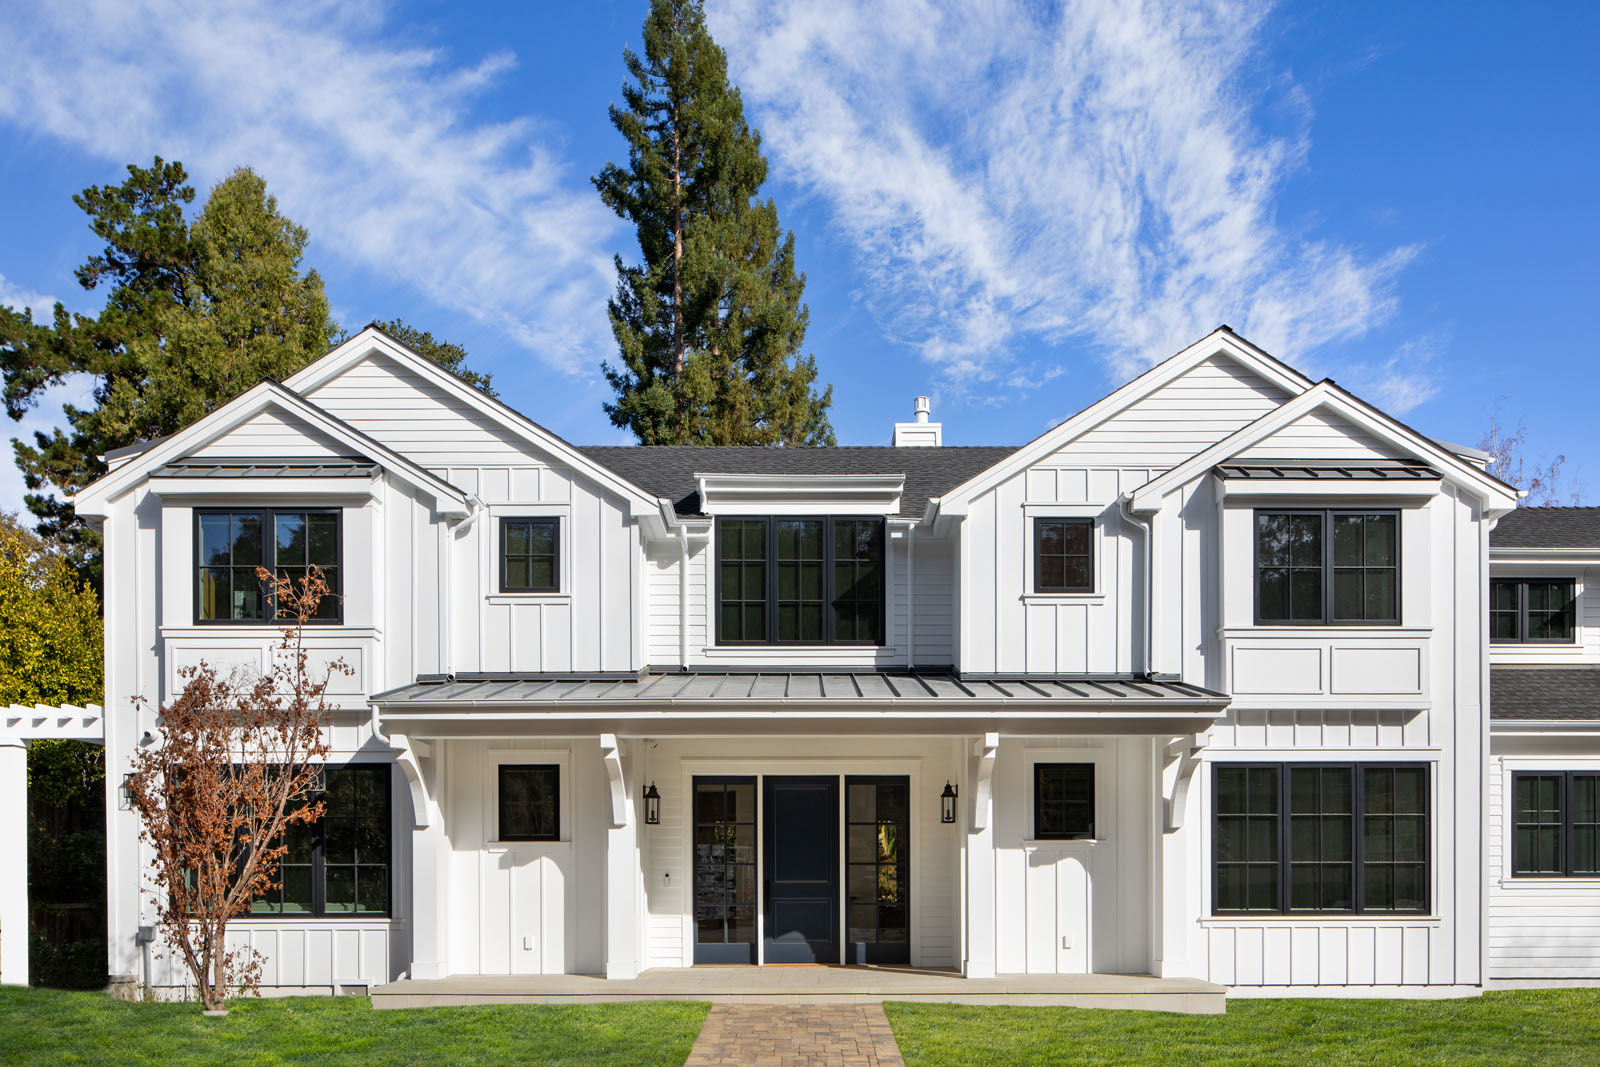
[
  {"x": 1327, "y": 567},
  {"x": 800, "y": 564},
  {"x": 858, "y": 581},
  {"x": 800, "y": 581},
  {"x": 1322, "y": 849},
  {"x": 1063, "y": 555},
  {"x": 877, "y": 850},
  {"x": 338, "y": 865},
  {"x": 1555, "y": 824},
  {"x": 230, "y": 544},
  {"x": 530, "y": 555},
  {"x": 1394, "y": 833},
  {"x": 530, "y": 802},
  {"x": 1532, "y": 610},
  {"x": 1248, "y": 839},
  {"x": 742, "y": 557}
]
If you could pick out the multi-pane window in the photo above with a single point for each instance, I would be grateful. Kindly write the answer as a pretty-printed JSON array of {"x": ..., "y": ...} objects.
[
  {"x": 1536, "y": 610},
  {"x": 725, "y": 870},
  {"x": 1327, "y": 567},
  {"x": 530, "y": 555},
  {"x": 800, "y": 581},
  {"x": 1063, "y": 800},
  {"x": 231, "y": 544},
  {"x": 1555, "y": 824},
  {"x": 878, "y": 842},
  {"x": 1293, "y": 838},
  {"x": 1063, "y": 555},
  {"x": 530, "y": 802},
  {"x": 338, "y": 865}
]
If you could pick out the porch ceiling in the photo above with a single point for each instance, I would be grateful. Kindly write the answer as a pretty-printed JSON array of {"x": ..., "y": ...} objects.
[{"x": 776, "y": 702}]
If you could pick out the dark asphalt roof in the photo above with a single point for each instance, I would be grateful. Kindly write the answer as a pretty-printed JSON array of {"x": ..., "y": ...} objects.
[
  {"x": 669, "y": 470},
  {"x": 1548, "y": 528},
  {"x": 1544, "y": 693}
]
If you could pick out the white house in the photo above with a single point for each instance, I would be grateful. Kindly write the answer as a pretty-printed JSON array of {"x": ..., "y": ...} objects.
[{"x": 1196, "y": 684}]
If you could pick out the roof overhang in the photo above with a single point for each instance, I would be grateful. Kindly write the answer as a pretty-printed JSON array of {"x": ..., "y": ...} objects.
[{"x": 797, "y": 494}]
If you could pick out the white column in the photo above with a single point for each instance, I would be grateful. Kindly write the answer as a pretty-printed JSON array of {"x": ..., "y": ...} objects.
[
  {"x": 980, "y": 962},
  {"x": 14, "y": 871},
  {"x": 622, "y": 864},
  {"x": 430, "y": 872}
]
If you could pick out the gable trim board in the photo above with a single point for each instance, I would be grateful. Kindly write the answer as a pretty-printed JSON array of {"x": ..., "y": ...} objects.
[{"x": 92, "y": 501}]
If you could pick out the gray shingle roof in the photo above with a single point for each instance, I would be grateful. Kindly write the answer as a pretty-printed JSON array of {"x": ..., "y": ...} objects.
[
  {"x": 669, "y": 470},
  {"x": 1548, "y": 528},
  {"x": 1544, "y": 693}
]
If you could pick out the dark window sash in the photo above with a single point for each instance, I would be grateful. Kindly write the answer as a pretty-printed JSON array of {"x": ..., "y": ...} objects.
[
  {"x": 1064, "y": 557},
  {"x": 1325, "y": 566},
  {"x": 507, "y": 557},
  {"x": 1061, "y": 810},
  {"x": 551, "y": 772},
  {"x": 867, "y": 606},
  {"x": 1280, "y": 838},
  {"x": 330, "y": 611},
  {"x": 315, "y": 859},
  {"x": 1522, "y": 612},
  {"x": 1577, "y": 834}
]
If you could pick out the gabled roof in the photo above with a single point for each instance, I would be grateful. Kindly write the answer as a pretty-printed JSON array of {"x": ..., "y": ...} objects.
[
  {"x": 1544, "y": 693},
  {"x": 266, "y": 396},
  {"x": 669, "y": 470},
  {"x": 373, "y": 339},
  {"x": 1548, "y": 528},
  {"x": 1220, "y": 342},
  {"x": 1328, "y": 396}
]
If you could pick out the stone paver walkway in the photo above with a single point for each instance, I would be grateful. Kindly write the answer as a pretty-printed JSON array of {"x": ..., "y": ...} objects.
[{"x": 844, "y": 1035}]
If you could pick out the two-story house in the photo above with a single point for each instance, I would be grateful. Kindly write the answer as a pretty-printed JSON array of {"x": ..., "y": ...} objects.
[{"x": 1195, "y": 684}]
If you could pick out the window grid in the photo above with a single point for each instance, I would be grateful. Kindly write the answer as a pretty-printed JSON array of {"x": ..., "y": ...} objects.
[
  {"x": 878, "y": 840},
  {"x": 766, "y": 581},
  {"x": 1263, "y": 862},
  {"x": 1327, "y": 567},
  {"x": 1063, "y": 555},
  {"x": 529, "y": 802},
  {"x": 858, "y": 581},
  {"x": 1532, "y": 611},
  {"x": 530, "y": 555},
  {"x": 1063, "y": 801},
  {"x": 230, "y": 543},
  {"x": 1555, "y": 824},
  {"x": 338, "y": 865},
  {"x": 742, "y": 581},
  {"x": 799, "y": 562}
]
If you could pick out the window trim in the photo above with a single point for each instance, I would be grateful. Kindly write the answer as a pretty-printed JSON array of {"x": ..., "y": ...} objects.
[
  {"x": 1327, "y": 567},
  {"x": 1038, "y": 574},
  {"x": 319, "y": 892},
  {"x": 501, "y": 766},
  {"x": 1522, "y": 637},
  {"x": 1358, "y": 804},
  {"x": 771, "y": 591},
  {"x": 1093, "y": 806},
  {"x": 500, "y": 553},
  {"x": 1510, "y": 823},
  {"x": 269, "y": 536}
]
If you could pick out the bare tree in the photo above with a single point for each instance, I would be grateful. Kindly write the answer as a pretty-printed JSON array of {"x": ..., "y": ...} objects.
[
  {"x": 237, "y": 762},
  {"x": 1543, "y": 483}
]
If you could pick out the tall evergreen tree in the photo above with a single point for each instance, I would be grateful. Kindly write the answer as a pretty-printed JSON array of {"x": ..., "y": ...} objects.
[
  {"x": 451, "y": 357},
  {"x": 710, "y": 325}
]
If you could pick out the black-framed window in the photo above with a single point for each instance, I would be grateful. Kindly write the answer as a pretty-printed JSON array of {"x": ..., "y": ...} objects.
[
  {"x": 230, "y": 543},
  {"x": 1555, "y": 824},
  {"x": 1063, "y": 801},
  {"x": 1293, "y": 838},
  {"x": 338, "y": 865},
  {"x": 800, "y": 580},
  {"x": 1063, "y": 555},
  {"x": 530, "y": 802},
  {"x": 1321, "y": 568},
  {"x": 1532, "y": 610},
  {"x": 530, "y": 555}
]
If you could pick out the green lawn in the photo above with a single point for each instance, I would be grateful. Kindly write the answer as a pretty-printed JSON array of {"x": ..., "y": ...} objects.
[
  {"x": 1545, "y": 1027},
  {"x": 47, "y": 1027}
]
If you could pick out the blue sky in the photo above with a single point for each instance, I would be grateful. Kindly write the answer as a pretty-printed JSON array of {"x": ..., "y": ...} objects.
[{"x": 1009, "y": 206}]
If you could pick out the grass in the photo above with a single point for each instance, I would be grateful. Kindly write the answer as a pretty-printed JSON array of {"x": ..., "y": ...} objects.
[
  {"x": 49, "y": 1027},
  {"x": 1545, "y": 1027}
]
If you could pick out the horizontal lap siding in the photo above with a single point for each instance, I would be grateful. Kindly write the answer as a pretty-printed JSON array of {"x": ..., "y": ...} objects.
[
  {"x": 1587, "y": 648},
  {"x": 272, "y": 435},
  {"x": 1319, "y": 436}
]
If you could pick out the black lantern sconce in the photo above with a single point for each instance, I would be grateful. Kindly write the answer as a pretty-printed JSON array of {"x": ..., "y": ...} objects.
[
  {"x": 652, "y": 805},
  {"x": 947, "y": 804}
]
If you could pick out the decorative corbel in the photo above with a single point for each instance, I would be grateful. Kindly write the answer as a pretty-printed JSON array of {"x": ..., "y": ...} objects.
[
  {"x": 983, "y": 791},
  {"x": 406, "y": 754},
  {"x": 619, "y": 793},
  {"x": 1188, "y": 757}
]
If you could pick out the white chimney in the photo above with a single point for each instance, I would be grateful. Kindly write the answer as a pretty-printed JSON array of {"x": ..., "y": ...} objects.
[{"x": 919, "y": 433}]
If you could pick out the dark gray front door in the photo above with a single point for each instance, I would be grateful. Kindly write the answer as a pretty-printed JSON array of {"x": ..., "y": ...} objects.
[{"x": 802, "y": 869}]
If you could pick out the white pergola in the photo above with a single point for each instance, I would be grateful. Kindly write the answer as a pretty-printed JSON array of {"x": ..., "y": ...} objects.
[{"x": 19, "y": 726}]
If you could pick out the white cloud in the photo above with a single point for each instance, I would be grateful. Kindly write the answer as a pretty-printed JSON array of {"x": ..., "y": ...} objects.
[
  {"x": 20, "y": 297},
  {"x": 367, "y": 142},
  {"x": 1011, "y": 173},
  {"x": 44, "y": 417},
  {"x": 1405, "y": 380}
]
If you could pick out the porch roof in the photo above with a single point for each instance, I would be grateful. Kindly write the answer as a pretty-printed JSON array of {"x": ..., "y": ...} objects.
[{"x": 853, "y": 701}]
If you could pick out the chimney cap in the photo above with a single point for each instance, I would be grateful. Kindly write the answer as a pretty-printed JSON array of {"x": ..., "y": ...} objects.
[{"x": 921, "y": 407}]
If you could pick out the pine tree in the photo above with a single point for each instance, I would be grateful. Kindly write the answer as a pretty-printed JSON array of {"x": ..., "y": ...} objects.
[
  {"x": 451, "y": 357},
  {"x": 710, "y": 325}
]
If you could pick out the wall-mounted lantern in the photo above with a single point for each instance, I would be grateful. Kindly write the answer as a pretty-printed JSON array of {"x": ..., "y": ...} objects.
[
  {"x": 947, "y": 804},
  {"x": 652, "y": 805},
  {"x": 125, "y": 793}
]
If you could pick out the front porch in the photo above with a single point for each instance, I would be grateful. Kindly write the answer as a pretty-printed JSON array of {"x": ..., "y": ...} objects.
[{"x": 777, "y": 984}]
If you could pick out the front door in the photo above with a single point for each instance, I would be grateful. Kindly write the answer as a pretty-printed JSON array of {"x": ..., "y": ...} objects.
[{"x": 802, "y": 869}]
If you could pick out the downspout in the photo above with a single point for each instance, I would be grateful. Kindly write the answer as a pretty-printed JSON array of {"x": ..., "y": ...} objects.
[
  {"x": 683, "y": 597},
  {"x": 1125, "y": 506},
  {"x": 911, "y": 603}
]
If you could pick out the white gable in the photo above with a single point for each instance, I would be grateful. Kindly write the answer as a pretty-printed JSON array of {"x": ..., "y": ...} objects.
[
  {"x": 272, "y": 434},
  {"x": 1198, "y": 408},
  {"x": 1322, "y": 435}
]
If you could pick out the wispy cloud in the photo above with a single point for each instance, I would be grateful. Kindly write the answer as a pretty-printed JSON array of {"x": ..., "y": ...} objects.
[
  {"x": 1013, "y": 173},
  {"x": 1408, "y": 378},
  {"x": 369, "y": 143}
]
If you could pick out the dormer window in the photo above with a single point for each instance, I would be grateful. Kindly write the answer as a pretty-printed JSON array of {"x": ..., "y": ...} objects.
[
  {"x": 1532, "y": 611},
  {"x": 230, "y": 543},
  {"x": 800, "y": 581}
]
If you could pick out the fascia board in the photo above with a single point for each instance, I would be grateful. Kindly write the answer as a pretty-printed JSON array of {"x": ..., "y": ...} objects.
[
  {"x": 749, "y": 494},
  {"x": 1306, "y": 488},
  {"x": 1217, "y": 343},
  {"x": 1566, "y": 556},
  {"x": 364, "y": 343}
]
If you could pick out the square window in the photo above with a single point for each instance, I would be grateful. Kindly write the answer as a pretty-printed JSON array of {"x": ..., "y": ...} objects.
[
  {"x": 530, "y": 555},
  {"x": 1063, "y": 801},
  {"x": 1063, "y": 555},
  {"x": 530, "y": 802}
]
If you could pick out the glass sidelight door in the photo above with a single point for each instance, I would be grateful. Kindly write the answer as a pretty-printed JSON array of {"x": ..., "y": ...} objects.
[
  {"x": 877, "y": 854},
  {"x": 725, "y": 870}
]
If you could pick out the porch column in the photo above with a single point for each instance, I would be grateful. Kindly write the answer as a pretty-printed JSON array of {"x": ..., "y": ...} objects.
[
  {"x": 622, "y": 859},
  {"x": 14, "y": 871},
  {"x": 430, "y": 860},
  {"x": 980, "y": 961}
]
